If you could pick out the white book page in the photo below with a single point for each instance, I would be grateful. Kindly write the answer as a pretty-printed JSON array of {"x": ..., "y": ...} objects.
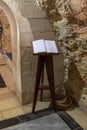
[
  {"x": 51, "y": 46},
  {"x": 39, "y": 46}
]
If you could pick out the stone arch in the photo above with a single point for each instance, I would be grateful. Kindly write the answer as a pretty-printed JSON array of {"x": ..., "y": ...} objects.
[{"x": 18, "y": 38}]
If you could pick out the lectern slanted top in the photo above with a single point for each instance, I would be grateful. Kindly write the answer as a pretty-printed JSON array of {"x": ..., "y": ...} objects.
[{"x": 44, "y": 49}]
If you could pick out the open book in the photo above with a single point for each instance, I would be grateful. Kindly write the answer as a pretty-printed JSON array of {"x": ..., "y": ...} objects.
[{"x": 44, "y": 46}]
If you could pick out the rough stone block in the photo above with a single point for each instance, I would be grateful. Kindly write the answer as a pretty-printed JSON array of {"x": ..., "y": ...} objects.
[
  {"x": 31, "y": 10},
  {"x": 28, "y": 37},
  {"x": 44, "y": 35},
  {"x": 41, "y": 25}
]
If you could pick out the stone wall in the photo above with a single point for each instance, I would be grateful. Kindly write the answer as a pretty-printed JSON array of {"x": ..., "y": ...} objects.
[
  {"x": 69, "y": 23},
  {"x": 41, "y": 29},
  {"x": 6, "y": 35},
  {"x": 69, "y": 19}
]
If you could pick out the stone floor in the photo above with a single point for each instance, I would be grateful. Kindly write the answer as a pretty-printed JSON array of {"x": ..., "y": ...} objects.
[
  {"x": 9, "y": 103},
  {"x": 49, "y": 122},
  {"x": 11, "y": 107},
  {"x": 79, "y": 114}
]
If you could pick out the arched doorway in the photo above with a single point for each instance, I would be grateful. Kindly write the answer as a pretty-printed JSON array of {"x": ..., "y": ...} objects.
[
  {"x": 17, "y": 22},
  {"x": 21, "y": 37},
  {"x": 6, "y": 72},
  {"x": 7, "y": 11}
]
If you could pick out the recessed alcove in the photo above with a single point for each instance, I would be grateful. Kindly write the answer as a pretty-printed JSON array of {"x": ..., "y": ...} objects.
[{"x": 5, "y": 38}]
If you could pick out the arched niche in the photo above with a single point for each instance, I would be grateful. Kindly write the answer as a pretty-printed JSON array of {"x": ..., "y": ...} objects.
[
  {"x": 18, "y": 39},
  {"x": 5, "y": 35}
]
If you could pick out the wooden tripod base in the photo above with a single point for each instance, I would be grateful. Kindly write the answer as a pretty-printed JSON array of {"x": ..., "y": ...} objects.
[{"x": 48, "y": 61}]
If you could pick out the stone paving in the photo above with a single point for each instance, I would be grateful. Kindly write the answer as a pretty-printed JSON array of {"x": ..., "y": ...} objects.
[
  {"x": 9, "y": 103},
  {"x": 50, "y": 122}
]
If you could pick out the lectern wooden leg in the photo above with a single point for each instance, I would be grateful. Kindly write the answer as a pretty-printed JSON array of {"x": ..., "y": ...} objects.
[
  {"x": 50, "y": 74},
  {"x": 37, "y": 82},
  {"x": 48, "y": 61},
  {"x": 42, "y": 80}
]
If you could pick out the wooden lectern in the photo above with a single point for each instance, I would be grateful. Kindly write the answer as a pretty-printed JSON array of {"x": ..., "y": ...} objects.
[{"x": 44, "y": 50}]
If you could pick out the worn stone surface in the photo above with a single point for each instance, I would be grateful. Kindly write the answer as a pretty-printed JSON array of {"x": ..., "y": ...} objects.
[
  {"x": 79, "y": 9},
  {"x": 71, "y": 30},
  {"x": 52, "y": 121}
]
